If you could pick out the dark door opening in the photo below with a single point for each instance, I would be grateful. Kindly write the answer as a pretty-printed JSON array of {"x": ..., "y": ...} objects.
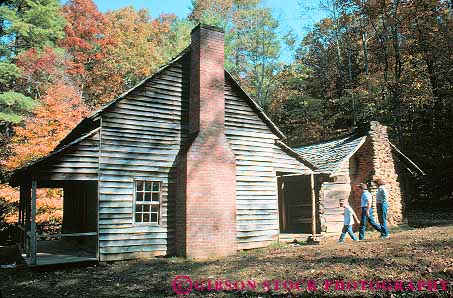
[{"x": 295, "y": 204}]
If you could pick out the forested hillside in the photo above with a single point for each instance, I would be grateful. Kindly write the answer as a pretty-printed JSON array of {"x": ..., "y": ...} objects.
[
  {"x": 389, "y": 61},
  {"x": 382, "y": 60}
]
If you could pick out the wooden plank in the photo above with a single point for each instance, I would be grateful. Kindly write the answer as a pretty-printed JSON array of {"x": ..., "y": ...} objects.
[
  {"x": 132, "y": 255},
  {"x": 128, "y": 249},
  {"x": 139, "y": 236},
  {"x": 66, "y": 235},
  {"x": 313, "y": 206},
  {"x": 133, "y": 242},
  {"x": 33, "y": 239}
]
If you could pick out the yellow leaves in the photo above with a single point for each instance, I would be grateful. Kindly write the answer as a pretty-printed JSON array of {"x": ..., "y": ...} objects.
[{"x": 8, "y": 193}]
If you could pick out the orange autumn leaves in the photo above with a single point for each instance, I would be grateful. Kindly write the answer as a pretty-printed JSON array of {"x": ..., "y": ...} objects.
[
  {"x": 131, "y": 52},
  {"x": 60, "y": 110},
  {"x": 111, "y": 52},
  {"x": 49, "y": 205},
  {"x": 99, "y": 57}
]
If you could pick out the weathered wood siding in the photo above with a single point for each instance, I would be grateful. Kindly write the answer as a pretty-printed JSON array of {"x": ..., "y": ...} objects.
[
  {"x": 79, "y": 162},
  {"x": 257, "y": 160},
  {"x": 141, "y": 137},
  {"x": 334, "y": 193},
  {"x": 331, "y": 195},
  {"x": 287, "y": 164}
]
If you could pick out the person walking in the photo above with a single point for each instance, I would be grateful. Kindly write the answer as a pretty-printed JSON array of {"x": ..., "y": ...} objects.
[
  {"x": 349, "y": 218},
  {"x": 382, "y": 196},
  {"x": 367, "y": 212}
]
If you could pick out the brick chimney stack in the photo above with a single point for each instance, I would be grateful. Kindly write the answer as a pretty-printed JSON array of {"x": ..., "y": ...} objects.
[{"x": 206, "y": 203}]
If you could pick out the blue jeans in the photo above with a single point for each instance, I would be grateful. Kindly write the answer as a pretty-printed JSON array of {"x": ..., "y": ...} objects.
[
  {"x": 363, "y": 221},
  {"x": 382, "y": 215},
  {"x": 347, "y": 229}
]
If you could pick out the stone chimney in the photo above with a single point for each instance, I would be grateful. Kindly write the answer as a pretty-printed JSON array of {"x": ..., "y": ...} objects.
[
  {"x": 206, "y": 201},
  {"x": 384, "y": 167}
]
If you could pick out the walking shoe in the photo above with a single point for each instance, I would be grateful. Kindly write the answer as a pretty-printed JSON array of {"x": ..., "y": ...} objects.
[{"x": 385, "y": 237}]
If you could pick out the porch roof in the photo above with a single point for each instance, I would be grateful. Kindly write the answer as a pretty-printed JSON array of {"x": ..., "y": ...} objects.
[{"x": 18, "y": 174}]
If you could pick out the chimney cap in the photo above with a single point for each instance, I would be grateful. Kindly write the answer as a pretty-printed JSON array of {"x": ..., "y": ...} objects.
[{"x": 206, "y": 26}]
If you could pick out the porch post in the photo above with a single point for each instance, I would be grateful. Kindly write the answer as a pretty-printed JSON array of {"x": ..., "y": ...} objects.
[
  {"x": 27, "y": 209},
  {"x": 33, "y": 243},
  {"x": 313, "y": 206},
  {"x": 24, "y": 193}
]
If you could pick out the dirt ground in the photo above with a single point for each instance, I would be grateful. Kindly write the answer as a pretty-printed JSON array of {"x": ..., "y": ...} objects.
[{"x": 411, "y": 254}]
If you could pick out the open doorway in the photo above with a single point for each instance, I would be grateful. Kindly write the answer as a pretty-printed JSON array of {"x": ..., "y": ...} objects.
[{"x": 295, "y": 204}]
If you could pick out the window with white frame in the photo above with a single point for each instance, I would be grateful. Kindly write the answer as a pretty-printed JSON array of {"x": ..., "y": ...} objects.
[{"x": 147, "y": 201}]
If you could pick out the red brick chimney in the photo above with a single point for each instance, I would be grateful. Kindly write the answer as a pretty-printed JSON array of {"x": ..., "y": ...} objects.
[{"x": 206, "y": 203}]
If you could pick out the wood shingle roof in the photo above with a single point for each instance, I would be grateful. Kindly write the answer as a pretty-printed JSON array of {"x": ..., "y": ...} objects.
[{"x": 328, "y": 156}]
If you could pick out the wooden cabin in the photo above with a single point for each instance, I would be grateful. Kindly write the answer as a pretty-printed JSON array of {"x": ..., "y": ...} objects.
[
  {"x": 343, "y": 163},
  {"x": 184, "y": 163}
]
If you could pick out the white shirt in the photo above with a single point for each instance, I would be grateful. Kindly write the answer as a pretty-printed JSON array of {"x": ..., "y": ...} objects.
[
  {"x": 382, "y": 195},
  {"x": 348, "y": 215}
]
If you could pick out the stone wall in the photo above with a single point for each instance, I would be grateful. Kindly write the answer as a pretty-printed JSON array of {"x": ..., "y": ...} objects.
[{"x": 384, "y": 167}]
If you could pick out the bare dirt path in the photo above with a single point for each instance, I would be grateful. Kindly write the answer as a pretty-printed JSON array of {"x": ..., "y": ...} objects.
[{"x": 409, "y": 255}]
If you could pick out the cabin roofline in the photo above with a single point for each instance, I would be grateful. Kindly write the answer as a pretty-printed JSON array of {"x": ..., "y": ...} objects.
[{"x": 18, "y": 173}]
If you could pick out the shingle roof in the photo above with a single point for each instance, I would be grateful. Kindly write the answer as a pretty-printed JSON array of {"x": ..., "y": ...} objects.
[{"x": 329, "y": 155}]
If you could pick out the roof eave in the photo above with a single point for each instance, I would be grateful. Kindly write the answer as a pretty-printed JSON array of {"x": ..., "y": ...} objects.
[
  {"x": 353, "y": 151},
  {"x": 16, "y": 174},
  {"x": 296, "y": 155}
]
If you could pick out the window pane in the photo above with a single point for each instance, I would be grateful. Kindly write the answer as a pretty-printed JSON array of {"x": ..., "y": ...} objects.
[{"x": 147, "y": 197}]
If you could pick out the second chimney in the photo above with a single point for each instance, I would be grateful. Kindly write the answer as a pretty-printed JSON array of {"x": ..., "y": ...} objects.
[{"x": 206, "y": 204}]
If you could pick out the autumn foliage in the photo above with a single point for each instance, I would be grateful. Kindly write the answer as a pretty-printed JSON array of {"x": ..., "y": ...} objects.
[
  {"x": 84, "y": 37},
  {"x": 40, "y": 69},
  {"x": 60, "y": 110},
  {"x": 132, "y": 53},
  {"x": 71, "y": 61}
]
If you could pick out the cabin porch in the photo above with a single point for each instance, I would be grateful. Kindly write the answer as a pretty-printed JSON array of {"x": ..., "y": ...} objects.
[{"x": 73, "y": 240}]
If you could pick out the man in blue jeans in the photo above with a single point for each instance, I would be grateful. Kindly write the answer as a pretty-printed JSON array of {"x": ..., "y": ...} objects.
[
  {"x": 382, "y": 196},
  {"x": 367, "y": 212}
]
